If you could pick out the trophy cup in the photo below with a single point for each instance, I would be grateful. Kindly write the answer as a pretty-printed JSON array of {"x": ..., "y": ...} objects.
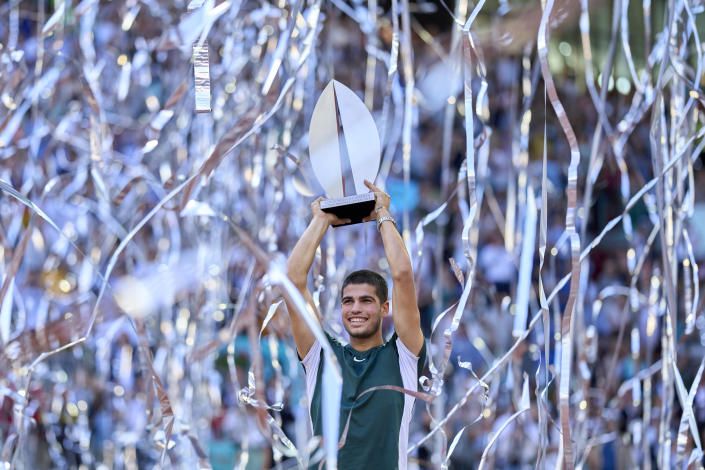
[{"x": 345, "y": 151}]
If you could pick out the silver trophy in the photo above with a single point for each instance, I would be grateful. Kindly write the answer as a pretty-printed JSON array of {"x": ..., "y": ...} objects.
[{"x": 345, "y": 151}]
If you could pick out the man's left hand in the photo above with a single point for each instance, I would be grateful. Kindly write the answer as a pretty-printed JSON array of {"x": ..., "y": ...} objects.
[{"x": 381, "y": 201}]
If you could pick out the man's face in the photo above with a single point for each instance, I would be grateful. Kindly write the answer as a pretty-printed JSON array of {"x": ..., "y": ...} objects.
[{"x": 361, "y": 310}]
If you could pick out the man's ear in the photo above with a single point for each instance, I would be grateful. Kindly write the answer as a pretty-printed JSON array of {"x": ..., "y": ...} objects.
[{"x": 385, "y": 309}]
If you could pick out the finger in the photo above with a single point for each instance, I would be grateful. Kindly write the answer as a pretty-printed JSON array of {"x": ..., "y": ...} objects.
[{"x": 372, "y": 186}]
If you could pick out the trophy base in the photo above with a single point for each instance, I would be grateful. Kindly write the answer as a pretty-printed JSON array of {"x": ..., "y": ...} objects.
[{"x": 354, "y": 208}]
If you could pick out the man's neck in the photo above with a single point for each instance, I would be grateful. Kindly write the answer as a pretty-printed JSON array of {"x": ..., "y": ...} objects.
[{"x": 363, "y": 344}]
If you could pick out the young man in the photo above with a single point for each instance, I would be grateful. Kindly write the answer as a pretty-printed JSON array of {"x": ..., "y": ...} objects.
[{"x": 378, "y": 430}]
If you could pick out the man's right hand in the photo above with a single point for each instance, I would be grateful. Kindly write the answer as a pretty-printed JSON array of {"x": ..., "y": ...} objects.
[
  {"x": 297, "y": 267},
  {"x": 331, "y": 219}
]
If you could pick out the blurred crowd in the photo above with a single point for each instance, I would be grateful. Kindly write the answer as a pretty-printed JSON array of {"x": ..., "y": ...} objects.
[{"x": 179, "y": 363}]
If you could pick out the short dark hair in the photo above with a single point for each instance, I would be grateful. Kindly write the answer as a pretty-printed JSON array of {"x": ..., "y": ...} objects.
[{"x": 365, "y": 276}]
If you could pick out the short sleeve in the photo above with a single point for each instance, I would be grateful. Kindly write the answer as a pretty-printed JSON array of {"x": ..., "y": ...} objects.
[
  {"x": 409, "y": 364},
  {"x": 311, "y": 363}
]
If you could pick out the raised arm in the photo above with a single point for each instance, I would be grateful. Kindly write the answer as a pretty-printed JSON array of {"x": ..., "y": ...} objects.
[
  {"x": 297, "y": 268},
  {"x": 405, "y": 310}
]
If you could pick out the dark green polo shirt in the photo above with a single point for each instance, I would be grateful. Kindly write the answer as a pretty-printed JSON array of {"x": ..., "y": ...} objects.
[{"x": 378, "y": 434}]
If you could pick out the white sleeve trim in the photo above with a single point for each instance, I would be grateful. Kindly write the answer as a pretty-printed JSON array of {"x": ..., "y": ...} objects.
[
  {"x": 408, "y": 367},
  {"x": 311, "y": 363},
  {"x": 401, "y": 347}
]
